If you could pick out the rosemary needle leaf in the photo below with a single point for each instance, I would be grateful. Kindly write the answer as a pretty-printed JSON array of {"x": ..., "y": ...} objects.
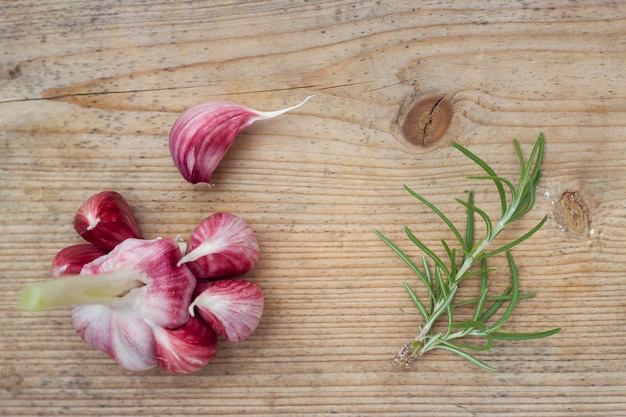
[
  {"x": 450, "y": 314},
  {"x": 520, "y": 155},
  {"x": 481, "y": 301},
  {"x": 416, "y": 301},
  {"x": 517, "y": 241},
  {"x": 471, "y": 324},
  {"x": 482, "y": 214},
  {"x": 486, "y": 347},
  {"x": 469, "y": 226},
  {"x": 451, "y": 255},
  {"x": 427, "y": 250},
  {"x": 431, "y": 283},
  {"x": 514, "y": 294},
  {"x": 451, "y": 347},
  {"x": 487, "y": 169},
  {"x": 502, "y": 298},
  {"x": 442, "y": 287},
  {"x": 496, "y": 306},
  {"x": 524, "y": 336},
  {"x": 438, "y": 212},
  {"x": 425, "y": 280},
  {"x": 508, "y": 183}
]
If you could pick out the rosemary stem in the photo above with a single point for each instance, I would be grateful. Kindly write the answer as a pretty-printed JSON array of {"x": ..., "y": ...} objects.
[
  {"x": 472, "y": 258},
  {"x": 469, "y": 261},
  {"x": 438, "y": 311}
]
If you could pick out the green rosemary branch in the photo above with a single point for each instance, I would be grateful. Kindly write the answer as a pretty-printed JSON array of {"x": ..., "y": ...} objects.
[{"x": 442, "y": 275}]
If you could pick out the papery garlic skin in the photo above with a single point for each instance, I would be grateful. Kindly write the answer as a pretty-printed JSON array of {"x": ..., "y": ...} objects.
[
  {"x": 185, "y": 349},
  {"x": 202, "y": 135},
  {"x": 106, "y": 219},
  {"x": 221, "y": 245},
  {"x": 119, "y": 331},
  {"x": 233, "y": 308},
  {"x": 123, "y": 326}
]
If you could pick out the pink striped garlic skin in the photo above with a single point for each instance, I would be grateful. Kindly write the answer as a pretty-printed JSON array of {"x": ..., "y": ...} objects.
[
  {"x": 202, "y": 135},
  {"x": 158, "y": 294},
  {"x": 70, "y": 260},
  {"x": 106, "y": 219},
  {"x": 221, "y": 245},
  {"x": 232, "y": 307},
  {"x": 185, "y": 349}
]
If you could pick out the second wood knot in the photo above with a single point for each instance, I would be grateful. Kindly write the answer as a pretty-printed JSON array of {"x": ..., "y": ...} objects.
[{"x": 427, "y": 120}]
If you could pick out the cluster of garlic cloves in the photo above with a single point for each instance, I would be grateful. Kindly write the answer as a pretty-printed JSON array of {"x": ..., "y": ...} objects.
[
  {"x": 162, "y": 302},
  {"x": 136, "y": 299}
]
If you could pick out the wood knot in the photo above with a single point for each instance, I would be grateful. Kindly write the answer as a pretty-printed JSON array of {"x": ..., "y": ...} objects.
[
  {"x": 427, "y": 120},
  {"x": 575, "y": 214}
]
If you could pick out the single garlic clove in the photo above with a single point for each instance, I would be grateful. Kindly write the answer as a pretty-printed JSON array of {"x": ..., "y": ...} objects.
[
  {"x": 185, "y": 349},
  {"x": 105, "y": 220},
  {"x": 70, "y": 260},
  {"x": 233, "y": 308},
  {"x": 222, "y": 245},
  {"x": 202, "y": 135}
]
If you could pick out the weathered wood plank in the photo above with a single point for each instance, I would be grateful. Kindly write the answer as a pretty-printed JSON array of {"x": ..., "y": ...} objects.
[{"x": 89, "y": 90}]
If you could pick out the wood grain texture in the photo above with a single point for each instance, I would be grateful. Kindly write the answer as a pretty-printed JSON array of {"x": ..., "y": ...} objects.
[{"x": 89, "y": 90}]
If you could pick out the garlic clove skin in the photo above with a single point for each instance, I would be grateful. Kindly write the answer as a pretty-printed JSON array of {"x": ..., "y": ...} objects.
[
  {"x": 166, "y": 288},
  {"x": 105, "y": 219},
  {"x": 70, "y": 260},
  {"x": 157, "y": 293},
  {"x": 185, "y": 349},
  {"x": 221, "y": 245},
  {"x": 201, "y": 136},
  {"x": 119, "y": 331},
  {"x": 233, "y": 308}
]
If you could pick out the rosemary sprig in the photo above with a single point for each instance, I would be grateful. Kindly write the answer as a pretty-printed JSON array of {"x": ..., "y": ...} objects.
[{"x": 442, "y": 275}]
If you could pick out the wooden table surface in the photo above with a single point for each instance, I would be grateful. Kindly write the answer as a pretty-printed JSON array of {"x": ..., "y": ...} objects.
[{"x": 89, "y": 91}]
